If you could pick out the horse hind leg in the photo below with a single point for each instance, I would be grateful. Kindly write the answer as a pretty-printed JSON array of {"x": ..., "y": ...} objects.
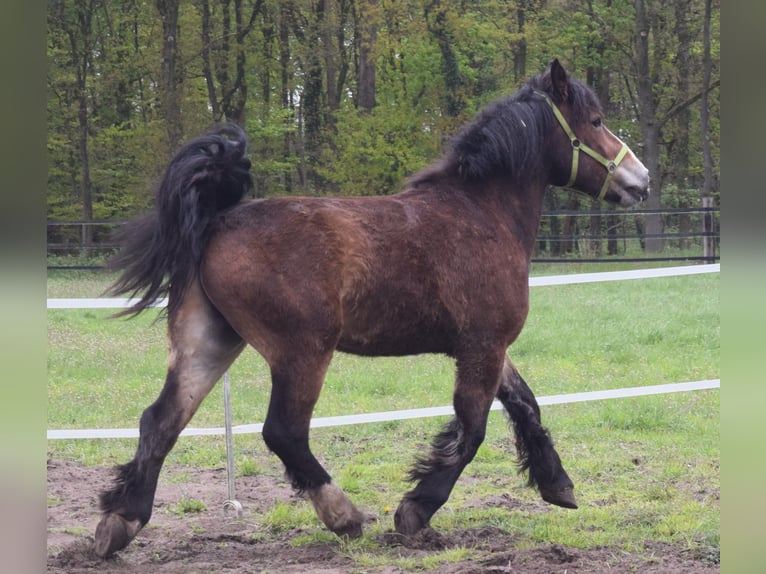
[
  {"x": 533, "y": 442},
  {"x": 202, "y": 347},
  {"x": 296, "y": 384},
  {"x": 455, "y": 446}
]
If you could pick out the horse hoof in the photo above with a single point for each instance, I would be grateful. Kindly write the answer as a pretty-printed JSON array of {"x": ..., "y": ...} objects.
[
  {"x": 114, "y": 533},
  {"x": 564, "y": 497},
  {"x": 407, "y": 519},
  {"x": 336, "y": 511},
  {"x": 349, "y": 530}
]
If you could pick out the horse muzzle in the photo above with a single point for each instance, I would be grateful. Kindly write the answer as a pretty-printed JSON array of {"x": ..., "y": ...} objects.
[{"x": 631, "y": 183}]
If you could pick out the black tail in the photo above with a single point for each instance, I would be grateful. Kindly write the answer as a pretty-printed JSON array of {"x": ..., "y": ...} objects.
[{"x": 161, "y": 252}]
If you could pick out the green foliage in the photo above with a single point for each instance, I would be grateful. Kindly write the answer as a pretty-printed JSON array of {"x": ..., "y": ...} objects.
[
  {"x": 375, "y": 152},
  {"x": 273, "y": 166},
  {"x": 436, "y": 64}
]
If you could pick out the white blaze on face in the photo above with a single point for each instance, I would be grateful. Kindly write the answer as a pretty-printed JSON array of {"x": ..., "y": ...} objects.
[{"x": 631, "y": 178}]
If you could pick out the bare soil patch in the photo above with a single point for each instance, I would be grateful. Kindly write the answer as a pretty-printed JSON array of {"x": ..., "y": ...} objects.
[{"x": 209, "y": 541}]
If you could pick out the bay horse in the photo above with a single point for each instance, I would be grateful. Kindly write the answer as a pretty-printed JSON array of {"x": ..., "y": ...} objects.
[{"x": 441, "y": 267}]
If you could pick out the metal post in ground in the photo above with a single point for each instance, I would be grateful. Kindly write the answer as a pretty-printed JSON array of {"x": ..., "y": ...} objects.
[{"x": 231, "y": 504}]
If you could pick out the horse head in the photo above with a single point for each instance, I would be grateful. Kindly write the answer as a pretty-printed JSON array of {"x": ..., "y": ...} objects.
[{"x": 607, "y": 168}]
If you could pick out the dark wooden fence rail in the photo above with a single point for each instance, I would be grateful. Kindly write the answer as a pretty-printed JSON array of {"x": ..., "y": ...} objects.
[{"x": 690, "y": 234}]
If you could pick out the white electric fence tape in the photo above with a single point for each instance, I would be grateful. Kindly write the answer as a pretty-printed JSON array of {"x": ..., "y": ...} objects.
[
  {"x": 104, "y": 303},
  {"x": 403, "y": 414},
  {"x": 423, "y": 412}
]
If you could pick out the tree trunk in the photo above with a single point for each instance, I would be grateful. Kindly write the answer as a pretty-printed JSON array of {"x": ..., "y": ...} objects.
[
  {"x": 436, "y": 21},
  {"x": 238, "y": 99},
  {"x": 86, "y": 187},
  {"x": 285, "y": 91},
  {"x": 227, "y": 90},
  {"x": 707, "y": 158},
  {"x": 520, "y": 54},
  {"x": 81, "y": 45},
  {"x": 595, "y": 230},
  {"x": 311, "y": 98},
  {"x": 137, "y": 52},
  {"x": 330, "y": 55},
  {"x": 207, "y": 67},
  {"x": 649, "y": 126},
  {"x": 599, "y": 78},
  {"x": 612, "y": 222},
  {"x": 170, "y": 75},
  {"x": 569, "y": 240},
  {"x": 679, "y": 150},
  {"x": 367, "y": 30}
]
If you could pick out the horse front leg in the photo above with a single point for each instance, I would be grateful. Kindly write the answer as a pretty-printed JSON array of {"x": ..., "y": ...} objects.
[
  {"x": 202, "y": 346},
  {"x": 533, "y": 442},
  {"x": 456, "y": 445},
  {"x": 296, "y": 383}
]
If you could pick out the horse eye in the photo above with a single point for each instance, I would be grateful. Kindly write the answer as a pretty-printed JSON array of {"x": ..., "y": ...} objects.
[{"x": 596, "y": 123}]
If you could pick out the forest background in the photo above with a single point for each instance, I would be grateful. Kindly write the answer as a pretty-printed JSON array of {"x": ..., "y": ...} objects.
[{"x": 349, "y": 97}]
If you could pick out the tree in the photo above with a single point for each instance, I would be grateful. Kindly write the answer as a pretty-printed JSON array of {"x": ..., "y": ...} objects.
[
  {"x": 366, "y": 31},
  {"x": 223, "y": 48},
  {"x": 655, "y": 87},
  {"x": 437, "y": 16},
  {"x": 707, "y": 65},
  {"x": 646, "y": 23},
  {"x": 352, "y": 96},
  {"x": 71, "y": 34},
  {"x": 171, "y": 71}
]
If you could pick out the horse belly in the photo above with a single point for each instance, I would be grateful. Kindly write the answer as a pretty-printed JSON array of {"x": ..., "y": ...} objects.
[
  {"x": 381, "y": 329},
  {"x": 396, "y": 345}
]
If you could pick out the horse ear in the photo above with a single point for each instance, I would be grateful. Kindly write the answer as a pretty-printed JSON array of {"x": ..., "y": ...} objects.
[{"x": 559, "y": 82}]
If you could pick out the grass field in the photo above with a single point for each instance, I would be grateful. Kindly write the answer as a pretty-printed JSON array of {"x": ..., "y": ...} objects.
[{"x": 644, "y": 468}]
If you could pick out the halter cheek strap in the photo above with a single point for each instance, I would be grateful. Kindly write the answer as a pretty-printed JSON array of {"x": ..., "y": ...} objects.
[{"x": 577, "y": 145}]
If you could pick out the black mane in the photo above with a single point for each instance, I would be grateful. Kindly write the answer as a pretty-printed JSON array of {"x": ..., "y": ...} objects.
[{"x": 507, "y": 136}]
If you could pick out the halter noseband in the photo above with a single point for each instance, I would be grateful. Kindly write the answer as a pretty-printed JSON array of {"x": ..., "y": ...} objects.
[{"x": 577, "y": 145}]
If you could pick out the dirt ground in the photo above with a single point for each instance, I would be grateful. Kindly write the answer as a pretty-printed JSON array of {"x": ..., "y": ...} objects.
[{"x": 209, "y": 541}]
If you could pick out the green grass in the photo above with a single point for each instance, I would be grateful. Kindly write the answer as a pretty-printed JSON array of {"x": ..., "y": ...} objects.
[
  {"x": 577, "y": 338},
  {"x": 78, "y": 283},
  {"x": 284, "y": 517},
  {"x": 187, "y": 505},
  {"x": 645, "y": 468}
]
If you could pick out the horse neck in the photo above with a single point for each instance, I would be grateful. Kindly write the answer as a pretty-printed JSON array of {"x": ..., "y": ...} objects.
[{"x": 520, "y": 207}]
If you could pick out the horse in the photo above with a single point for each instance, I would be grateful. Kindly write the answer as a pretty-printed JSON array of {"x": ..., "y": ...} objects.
[{"x": 440, "y": 267}]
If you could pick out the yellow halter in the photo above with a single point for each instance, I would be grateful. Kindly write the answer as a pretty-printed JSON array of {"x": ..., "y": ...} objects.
[{"x": 577, "y": 145}]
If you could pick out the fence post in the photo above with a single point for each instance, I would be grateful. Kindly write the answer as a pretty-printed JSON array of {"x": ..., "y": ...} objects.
[
  {"x": 708, "y": 228},
  {"x": 231, "y": 503}
]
